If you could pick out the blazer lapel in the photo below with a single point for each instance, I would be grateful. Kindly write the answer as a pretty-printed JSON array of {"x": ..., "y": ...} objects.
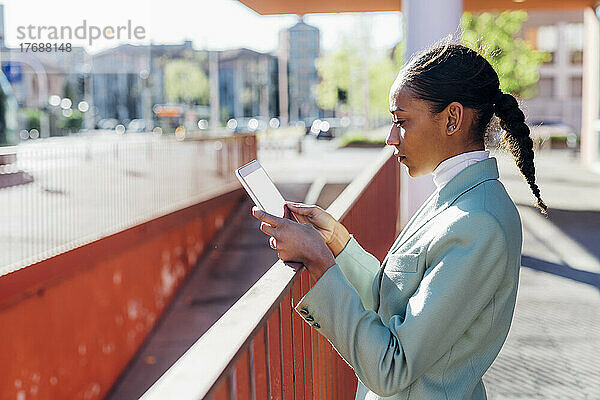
[{"x": 467, "y": 179}]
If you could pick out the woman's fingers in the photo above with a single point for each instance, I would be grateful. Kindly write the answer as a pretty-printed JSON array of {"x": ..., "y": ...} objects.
[
  {"x": 287, "y": 213},
  {"x": 303, "y": 212},
  {"x": 268, "y": 229},
  {"x": 301, "y": 209},
  {"x": 266, "y": 217}
]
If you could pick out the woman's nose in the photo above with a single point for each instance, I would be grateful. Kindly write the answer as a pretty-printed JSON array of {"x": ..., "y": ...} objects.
[{"x": 393, "y": 137}]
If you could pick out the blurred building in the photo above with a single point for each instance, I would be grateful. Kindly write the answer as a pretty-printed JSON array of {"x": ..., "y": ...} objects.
[
  {"x": 129, "y": 80},
  {"x": 559, "y": 96},
  {"x": 248, "y": 84},
  {"x": 35, "y": 75},
  {"x": 118, "y": 76},
  {"x": 298, "y": 52},
  {"x": 33, "y": 80}
]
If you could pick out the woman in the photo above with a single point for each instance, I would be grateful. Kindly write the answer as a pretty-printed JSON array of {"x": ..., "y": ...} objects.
[{"x": 430, "y": 320}]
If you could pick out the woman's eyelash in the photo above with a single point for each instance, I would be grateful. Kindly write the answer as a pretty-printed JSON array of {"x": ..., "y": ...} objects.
[{"x": 398, "y": 123}]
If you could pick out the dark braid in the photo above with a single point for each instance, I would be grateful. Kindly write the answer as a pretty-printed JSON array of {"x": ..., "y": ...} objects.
[
  {"x": 453, "y": 72},
  {"x": 516, "y": 139}
]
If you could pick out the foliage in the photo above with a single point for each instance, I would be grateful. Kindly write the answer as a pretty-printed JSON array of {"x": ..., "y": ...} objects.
[
  {"x": 186, "y": 82},
  {"x": 359, "y": 138},
  {"x": 32, "y": 118},
  {"x": 341, "y": 72},
  {"x": 496, "y": 37},
  {"x": 72, "y": 123}
]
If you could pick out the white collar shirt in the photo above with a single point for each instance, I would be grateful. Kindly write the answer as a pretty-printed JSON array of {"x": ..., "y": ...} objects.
[{"x": 449, "y": 168}]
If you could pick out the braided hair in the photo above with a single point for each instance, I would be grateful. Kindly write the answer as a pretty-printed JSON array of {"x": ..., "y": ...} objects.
[
  {"x": 516, "y": 139},
  {"x": 453, "y": 72}
]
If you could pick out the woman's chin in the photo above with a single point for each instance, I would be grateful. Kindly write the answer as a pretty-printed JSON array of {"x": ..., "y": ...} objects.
[
  {"x": 412, "y": 171},
  {"x": 402, "y": 160}
]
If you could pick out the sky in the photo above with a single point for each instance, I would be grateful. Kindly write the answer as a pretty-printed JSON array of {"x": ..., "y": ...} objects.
[{"x": 210, "y": 24}]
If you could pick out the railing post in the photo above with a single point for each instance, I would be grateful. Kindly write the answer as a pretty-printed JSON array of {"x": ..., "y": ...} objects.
[
  {"x": 287, "y": 347},
  {"x": 306, "y": 341},
  {"x": 260, "y": 371},
  {"x": 274, "y": 352},
  {"x": 243, "y": 388},
  {"x": 219, "y": 157},
  {"x": 223, "y": 390},
  {"x": 297, "y": 325}
]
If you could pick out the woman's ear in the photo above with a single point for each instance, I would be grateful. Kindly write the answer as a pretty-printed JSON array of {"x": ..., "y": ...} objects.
[{"x": 454, "y": 117}]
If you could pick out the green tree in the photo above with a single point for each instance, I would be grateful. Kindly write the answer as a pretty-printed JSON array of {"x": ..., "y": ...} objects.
[
  {"x": 186, "y": 82},
  {"x": 496, "y": 37},
  {"x": 71, "y": 124},
  {"x": 32, "y": 118},
  {"x": 342, "y": 75}
]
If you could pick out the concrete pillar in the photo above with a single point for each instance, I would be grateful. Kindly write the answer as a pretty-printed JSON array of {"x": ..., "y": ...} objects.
[
  {"x": 590, "y": 149},
  {"x": 425, "y": 22},
  {"x": 562, "y": 63},
  {"x": 264, "y": 89},
  {"x": 213, "y": 72},
  {"x": 238, "y": 87},
  {"x": 282, "y": 60}
]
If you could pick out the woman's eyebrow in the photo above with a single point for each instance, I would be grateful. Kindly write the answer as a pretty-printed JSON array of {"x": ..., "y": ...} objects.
[{"x": 396, "y": 109}]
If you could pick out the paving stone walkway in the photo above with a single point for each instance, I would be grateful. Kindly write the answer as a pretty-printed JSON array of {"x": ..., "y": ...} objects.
[{"x": 553, "y": 348}]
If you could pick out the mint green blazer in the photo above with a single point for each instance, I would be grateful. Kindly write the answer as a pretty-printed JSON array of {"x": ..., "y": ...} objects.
[{"x": 430, "y": 320}]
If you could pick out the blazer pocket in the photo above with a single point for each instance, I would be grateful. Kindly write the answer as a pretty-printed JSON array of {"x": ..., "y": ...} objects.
[{"x": 403, "y": 262}]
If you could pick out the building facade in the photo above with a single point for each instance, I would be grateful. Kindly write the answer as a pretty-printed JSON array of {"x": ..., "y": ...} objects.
[
  {"x": 248, "y": 84},
  {"x": 118, "y": 81},
  {"x": 559, "y": 97},
  {"x": 299, "y": 49}
]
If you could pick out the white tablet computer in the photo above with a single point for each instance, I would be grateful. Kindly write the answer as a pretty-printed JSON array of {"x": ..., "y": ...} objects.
[{"x": 261, "y": 188}]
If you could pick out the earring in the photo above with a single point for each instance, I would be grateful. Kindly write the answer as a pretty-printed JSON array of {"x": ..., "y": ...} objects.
[{"x": 452, "y": 128}]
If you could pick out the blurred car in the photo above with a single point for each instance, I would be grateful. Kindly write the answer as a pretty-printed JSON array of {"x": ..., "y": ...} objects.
[
  {"x": 108, "y": 123},
  {"x": 136, "y": 125},
  {"x": 324, "y": 128},
  {"x": 245, "y": 124}
]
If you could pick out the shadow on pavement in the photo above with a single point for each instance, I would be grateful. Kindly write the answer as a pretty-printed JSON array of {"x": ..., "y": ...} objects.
[
  {"x": 581, "y": 226},
  {"x": 564, "y": 271}
]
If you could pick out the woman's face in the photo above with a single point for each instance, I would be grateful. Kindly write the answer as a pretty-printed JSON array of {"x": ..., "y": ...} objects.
[{"x": 417, "y": 133}]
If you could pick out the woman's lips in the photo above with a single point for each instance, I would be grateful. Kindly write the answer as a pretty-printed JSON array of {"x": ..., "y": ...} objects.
[{"x": 398, "y": 155}]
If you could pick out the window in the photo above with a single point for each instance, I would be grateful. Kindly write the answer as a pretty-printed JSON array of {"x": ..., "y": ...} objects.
[
  {"x": 574, "y": 40},
  {"x": 576, "y": 87},
  {"x": 546, "y": 87},
  {"x": 547, "y": 40}
]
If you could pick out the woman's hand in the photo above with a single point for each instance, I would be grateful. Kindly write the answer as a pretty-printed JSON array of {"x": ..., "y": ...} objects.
[
  {"x": 296, "y": 242},
  {"x": 335, "y": 235}
]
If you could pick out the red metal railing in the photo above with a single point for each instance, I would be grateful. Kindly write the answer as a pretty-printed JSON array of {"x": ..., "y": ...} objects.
[
  {"x": 261, "y": 349},
  {"x": 70, "y": 323}
]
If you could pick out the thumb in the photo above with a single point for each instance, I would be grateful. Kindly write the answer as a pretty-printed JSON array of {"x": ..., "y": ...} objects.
[{"x": 300, "y": 209}]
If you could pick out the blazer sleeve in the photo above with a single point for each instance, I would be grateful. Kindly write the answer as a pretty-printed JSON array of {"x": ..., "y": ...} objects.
[
  {"x": 360, "y": 268},
  {"x": 465, "y": 266}
]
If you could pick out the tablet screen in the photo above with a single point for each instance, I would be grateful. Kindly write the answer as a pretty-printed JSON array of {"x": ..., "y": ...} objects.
[{"x": 264, "y": 190}]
